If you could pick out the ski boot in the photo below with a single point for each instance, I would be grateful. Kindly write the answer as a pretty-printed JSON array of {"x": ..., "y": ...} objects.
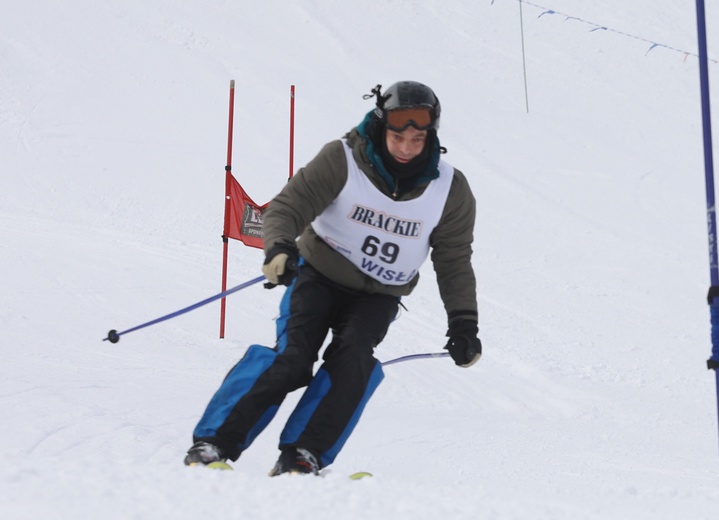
[
  {"x": 296, "y": 461},
  {"x": 204, "y": 453}
]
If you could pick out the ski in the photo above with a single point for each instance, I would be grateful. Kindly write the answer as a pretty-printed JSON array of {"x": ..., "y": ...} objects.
[
  {"x": 218, "y": 464},
  {"x": 360, "y": 475},
  {"x": 225, "y": 466}
]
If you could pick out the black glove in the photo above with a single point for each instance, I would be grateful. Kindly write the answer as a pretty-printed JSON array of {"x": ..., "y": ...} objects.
[
  {"x": 281, "y": 265},
  {"x": 464, "y": 345}
]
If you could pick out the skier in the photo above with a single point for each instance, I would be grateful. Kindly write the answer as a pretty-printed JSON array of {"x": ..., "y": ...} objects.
[{"x": 367, "y": 209}]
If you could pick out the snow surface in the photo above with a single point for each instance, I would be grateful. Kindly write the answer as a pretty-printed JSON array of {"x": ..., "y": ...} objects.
[{"x": 592, "y": 400}]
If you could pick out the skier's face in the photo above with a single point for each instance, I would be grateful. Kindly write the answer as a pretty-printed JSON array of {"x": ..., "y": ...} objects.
[{"x": 405, "y": 145}]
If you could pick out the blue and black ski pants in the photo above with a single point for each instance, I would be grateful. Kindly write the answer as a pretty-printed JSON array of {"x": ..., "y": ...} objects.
[{"x": 336, "y": 394}]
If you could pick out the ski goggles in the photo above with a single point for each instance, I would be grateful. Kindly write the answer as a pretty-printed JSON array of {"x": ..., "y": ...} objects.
[{"x": 399, "y": 120}]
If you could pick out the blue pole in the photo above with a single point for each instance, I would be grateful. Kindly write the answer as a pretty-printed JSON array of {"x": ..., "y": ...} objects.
[
  {"x": 113, "y": 336},
  {"x": 708, "y": 157},
  {"x": 713, "y": 297}
]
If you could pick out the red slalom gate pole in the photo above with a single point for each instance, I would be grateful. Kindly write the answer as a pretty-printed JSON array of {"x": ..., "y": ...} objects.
[
  {"x": 292, "y": 129},
  {"x": 226, "y": 228}
]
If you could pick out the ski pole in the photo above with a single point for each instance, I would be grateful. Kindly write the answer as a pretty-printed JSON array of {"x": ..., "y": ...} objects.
[
  {"x": 415, "y": 356},
  {"x": 114, "y": 336}
]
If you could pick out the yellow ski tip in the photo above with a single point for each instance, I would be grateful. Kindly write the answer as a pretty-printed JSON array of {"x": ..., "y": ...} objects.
[
  {"x": 219, "y": 465},
  {"x": 360, "y": 475}
]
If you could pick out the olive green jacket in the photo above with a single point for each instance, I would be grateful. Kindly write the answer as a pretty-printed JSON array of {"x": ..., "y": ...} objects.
[{"x": 316, "y": 186}]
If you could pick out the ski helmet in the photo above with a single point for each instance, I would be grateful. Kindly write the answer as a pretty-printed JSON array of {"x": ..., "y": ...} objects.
[{"x": 407, "y": 103}]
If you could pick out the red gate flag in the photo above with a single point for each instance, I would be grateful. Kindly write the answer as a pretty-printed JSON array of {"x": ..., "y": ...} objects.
[{"x": 244, "y": 216}]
